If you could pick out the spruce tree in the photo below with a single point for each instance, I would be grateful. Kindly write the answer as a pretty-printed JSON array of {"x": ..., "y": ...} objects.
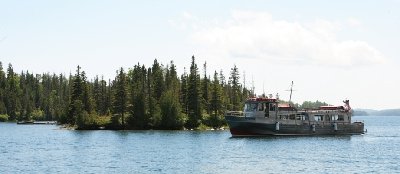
[
  {"x": 183, "y": 92},
  {"x": 216, "y": 104},
  {"x": 3, "y": 82},
  {"x": 137, "y": 86},
  {"x": 205, "y": 89},
  {"x": 120, "y": 98},
  {"x": 235, "y": 89},
  {"x": 12, "y": 93},
  {"x": 172, "y": 117},
  {"x": 194, "y": 97},
  {"x": 75, "y": 108},
  {"x": 87, "y": 99},
  {"x": 97, "y": 95}
]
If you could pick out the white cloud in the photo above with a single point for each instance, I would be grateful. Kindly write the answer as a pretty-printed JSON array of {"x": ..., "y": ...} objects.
[
  {"x": 353, "y": 22},
  {"x": 257, "y": 35}
]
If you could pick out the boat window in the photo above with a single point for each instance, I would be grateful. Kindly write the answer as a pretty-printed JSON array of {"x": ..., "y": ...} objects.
[
  {"x": 250, "y": 107},
  {"x": 272, "y": 106},
  {"x": 318, "y": 117},
  {"x": 283, "y": 117},
  {"x": 340, "y": 118},
  {"x": 261, "y": 106},
  {"x": 335, "y": 117},
  {"x": 301, "y": 117}
]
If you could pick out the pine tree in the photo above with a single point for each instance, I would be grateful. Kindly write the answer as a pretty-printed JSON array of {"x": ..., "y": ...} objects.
[
  {"x": 183, "y": 92},
  {"x": 235, "y": 90},
  {"x": 120, "y": 98},
  {"x": 137, "y": 86},
  {"x": 194, "y": 97},
  {"x": 75, "y": 108},
  {"x": 216, "y": 102},
  {"x": 205, "y": 89},
  {"x": 3, "y": 82},
  {"x": 12, "y": 93},
  {"x": 157, "y": 88},
  {"x": 157, "y": 80},
  {"x": 172, "y": 117},
  {"x": 102, "y": 105},
  {"x": 97, "y": 95},
  {"x": 87, "y": 100}
]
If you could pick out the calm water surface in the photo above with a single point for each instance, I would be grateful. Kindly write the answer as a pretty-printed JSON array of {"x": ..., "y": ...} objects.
[{"x": 48, "y": 149}]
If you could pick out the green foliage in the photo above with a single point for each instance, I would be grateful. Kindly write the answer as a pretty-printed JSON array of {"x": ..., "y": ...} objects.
[
  {"x": 75, "y": 106},
  {"x": 172, "y": 117},
  {"x": 143, "y": 98},
  {"x": 205, "y": 90},
  {"x": 12, "y": 90},
  {"x": 3, "y": 117},
  {"x": 37, "y": 115},
  {"x": 235, "y": 89},
  {"x": 214, "y": 120},
  {"x": 310, "y": 104},
  {"x": 194, "y": 97},
  {"x": 138, "y": 83},
  {"x": 3, "y": 81},
  {"x": 102, "y": 121},
  {"x": 120, "y": 97},
  {"x": 184, "y": 93}
]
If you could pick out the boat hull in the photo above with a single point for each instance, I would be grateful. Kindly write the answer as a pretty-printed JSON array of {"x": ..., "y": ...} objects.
[{"x": 242, "y": 126}]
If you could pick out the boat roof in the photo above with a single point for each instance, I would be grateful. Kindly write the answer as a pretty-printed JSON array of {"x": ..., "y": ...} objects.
[{"x": 261, "y": 99}]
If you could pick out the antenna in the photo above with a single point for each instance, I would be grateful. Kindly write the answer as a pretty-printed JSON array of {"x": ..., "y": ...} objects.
[
  {"x": 263, "y": 90},
  {"x": 252, "y": 87},
  {"x": 291, "y": 91},
  {"x": 244, "y": 79}
]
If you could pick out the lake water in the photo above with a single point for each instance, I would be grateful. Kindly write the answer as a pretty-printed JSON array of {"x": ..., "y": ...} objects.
[{"x": 49, "y": 149}]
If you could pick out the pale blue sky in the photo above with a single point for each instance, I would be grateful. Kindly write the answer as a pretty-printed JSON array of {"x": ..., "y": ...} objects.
[{"x": 331, "y": 49}]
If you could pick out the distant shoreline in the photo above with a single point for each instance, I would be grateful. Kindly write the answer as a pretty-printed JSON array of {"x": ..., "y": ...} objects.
[{"x": 371, "y": 112}]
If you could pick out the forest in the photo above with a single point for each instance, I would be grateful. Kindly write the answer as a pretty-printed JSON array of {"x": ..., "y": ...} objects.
[{"x": 140, "y": 97}]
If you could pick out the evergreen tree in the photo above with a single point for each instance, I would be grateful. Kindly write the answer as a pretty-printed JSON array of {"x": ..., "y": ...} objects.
[
  {"x": 157, "y": 80},
  {"x": 87, "y": 99},
  {"x": 3, "y": 82},
  {"x": 120, "y": 98},
  {"x": 172, "y": 117},
  {"x": 157, "y": 88},
  {"x": 216, "y": 102},
  {"x": 108, "y": 97},
  {"x": 102, "y": 104},
  {"x": 137, "y": 84},
  {"x": 12, "y": 93},
  {"x": 205, "y": 89},
  {"x": 97, "y": 95},
  {"x": 183, "y": 92},
  {"x": 75, "y": 108},
  {"x": 235, "y": 90},
  {"x": 194, "y": 97},
  {"x": 26, "y": 96}
]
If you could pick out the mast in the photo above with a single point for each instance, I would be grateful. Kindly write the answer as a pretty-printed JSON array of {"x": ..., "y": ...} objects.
[
  {"x": 252, "y": 86},
  {"x": 291, "y": 91}
]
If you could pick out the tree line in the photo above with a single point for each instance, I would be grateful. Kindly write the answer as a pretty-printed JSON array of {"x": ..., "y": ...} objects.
[{"x": 140, "y": 97}]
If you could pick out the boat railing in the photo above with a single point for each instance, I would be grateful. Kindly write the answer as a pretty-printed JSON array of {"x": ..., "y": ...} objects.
[
  {"x": 326, "y": 123},
  {"x": 358, "y": 121},
  {"x": 234, "y": 113}
]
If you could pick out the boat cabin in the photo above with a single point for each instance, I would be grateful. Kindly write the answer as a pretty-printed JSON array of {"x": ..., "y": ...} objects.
[{"x": 270, "y": 108}]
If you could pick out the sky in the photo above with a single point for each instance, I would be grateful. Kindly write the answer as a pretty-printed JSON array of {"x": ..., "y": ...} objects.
[{"x": 332, "y": 50}]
